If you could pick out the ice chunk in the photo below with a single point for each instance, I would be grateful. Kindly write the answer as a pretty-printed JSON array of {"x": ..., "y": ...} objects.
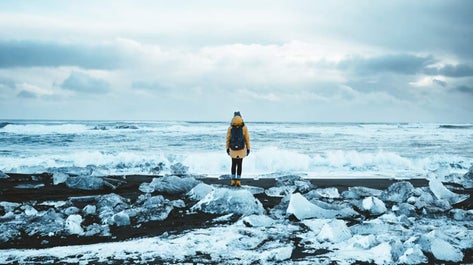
[
  {"x": 334, "y": 231},
  {"x": 301, "y": 208},
  {"x": 73, "y": 225},
  {"x": 280, "y": 191},
  {"x": 110, "y": 204},
  {"x": 467, "y": 180},
  {"x": 413, "y": 255},
  {"x": 71, "y": 210},
  {"x": 59, "y": 178},
  {"x": 442, "y": 250},
  {"x": 315, "y": 224},
  {"x": 173, "y": 184},
  {"x": 3, "y": 175},
  {"x": 278, "y": 254},
  {"x": 258, "y": 221},
  {"x": 301, "y": 185},
  {"x": 398, "y": 192},
  {"x": 29, "y": 210},
  {"x": 9, "y": 231},
  {"x": 89, "y": 210},
  {"x": 85, "y": 183},
  {"x": 442, "y": 193},
  {"x": 374, "y": 206},
  {"x": 146, "y": 188},
  {"x": 199, "y": 192},
  {"x": 225, "y": 201},
  {"x": 154, "y": 208},
  {"x": 405, "y": 209},
  {"x": 360, "y": 192},
  {"x": 121, "y": 219},
  {"x": 331, "y": 193}
]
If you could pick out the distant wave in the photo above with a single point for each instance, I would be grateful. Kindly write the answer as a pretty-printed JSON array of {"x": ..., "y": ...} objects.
[
  {"x": 4, "y": 124},
  {"x": 451, "y": 126}
]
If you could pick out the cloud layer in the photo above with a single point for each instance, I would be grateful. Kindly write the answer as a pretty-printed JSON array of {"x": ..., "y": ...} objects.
[{"x": 304, "y": 61}]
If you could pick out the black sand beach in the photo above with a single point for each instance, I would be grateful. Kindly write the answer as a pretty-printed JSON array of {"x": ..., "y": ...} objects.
[{"x": 38, "y": 188}]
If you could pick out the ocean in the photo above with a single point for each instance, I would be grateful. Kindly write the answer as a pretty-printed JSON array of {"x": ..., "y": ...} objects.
[{"x": 312, "y": 150}]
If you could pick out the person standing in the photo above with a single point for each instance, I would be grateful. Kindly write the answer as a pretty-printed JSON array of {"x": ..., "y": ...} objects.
[{"x": 238, "y": 146}]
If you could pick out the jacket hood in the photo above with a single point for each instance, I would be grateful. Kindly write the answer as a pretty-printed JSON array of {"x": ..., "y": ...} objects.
[{"x": 237, "y": 121}]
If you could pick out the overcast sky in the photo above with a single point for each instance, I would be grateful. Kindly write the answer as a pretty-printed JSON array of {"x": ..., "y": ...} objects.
[{"x": 327, "y": 61}]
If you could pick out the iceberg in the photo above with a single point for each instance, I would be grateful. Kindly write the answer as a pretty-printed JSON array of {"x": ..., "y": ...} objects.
[{"x": 225, "y": 201}]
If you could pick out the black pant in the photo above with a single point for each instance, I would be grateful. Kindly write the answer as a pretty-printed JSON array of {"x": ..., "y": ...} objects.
[{"x": 236, "y": 166}]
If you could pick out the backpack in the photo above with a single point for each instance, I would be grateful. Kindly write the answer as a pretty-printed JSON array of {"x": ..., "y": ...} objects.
[{"x": 237, "y": 141}]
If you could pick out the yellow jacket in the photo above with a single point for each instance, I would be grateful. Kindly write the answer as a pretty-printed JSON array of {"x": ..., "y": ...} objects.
[{"x": 238, "y": 121}]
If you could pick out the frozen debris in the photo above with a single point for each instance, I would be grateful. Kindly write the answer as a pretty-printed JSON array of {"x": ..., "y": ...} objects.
[
  {"x": 442, "y": 250},
  {"x": 258, "y": 221},
  {"x": 302, "y": 209},
  {"x": 278, "y": 254},
  {"x": 413, "y": 255},
  {"x": 315, "y": 224},
  {"x": 3, "y": 175},
  {"x": 199, "y": 192},
  {"x": 462, "y": 215},
  {"x": 360, "y": 192},
  {"x": 398, "y": 192},
  {"x": 173, "y": 184},
  {"x": 373, "y": 205},
  {"x": 254, "y": 190},
  {"x": 120, "y": 219},
  {"x": 301, "y": 185},
  {"x": 30, "y": 186},
  {"x": 280, "y": 191},
  {"x": 331, "y": 193},
  {"x": 85, "y": 183},
  {"x": 89, "y": 210},
  {"x": 225, "y": 201},
  {"x": 467, "y": 180},
  {"x": 29, "y": 210},
  {"x": 148, "y": 208},
  {"x": 442, "y": 193},
  {"x": 59, "y": 178},
  {"x": 73, "y": 225},
  {"x": 179, "y": 169},
  {"x": 49, "y": 223},
  {"x": 9, "y": 231},
  {"x": 334, "y": 231},
  {"x": 71, "y": 210},
  {"x": 405, "y": 209},
  {"x": 146, "y": 188},
  {"x": 110, "y": 204}
]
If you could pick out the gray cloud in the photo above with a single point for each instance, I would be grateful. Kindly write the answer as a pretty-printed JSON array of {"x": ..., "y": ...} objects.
[
  {"x": 49, "y": 54},
  {"x": 7, "y": 83},
  {"x": 84, "y": 83},
  {"x": 26, "y": 94},
  {"x": 399, "y": 63},
  {"x": 461, "y": 70},
  {"x": 465, "y": 89}
]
